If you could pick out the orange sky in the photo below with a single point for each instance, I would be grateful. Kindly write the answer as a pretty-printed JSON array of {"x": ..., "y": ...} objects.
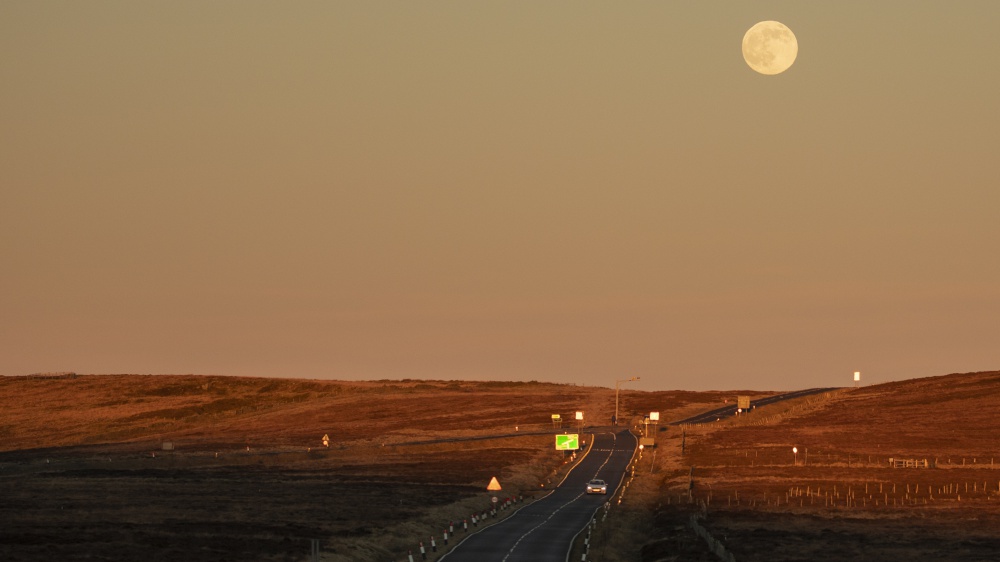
[{"x": 574, "y": 192}]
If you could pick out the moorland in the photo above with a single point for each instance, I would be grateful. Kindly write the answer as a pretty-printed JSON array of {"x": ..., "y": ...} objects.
[{"x": 165, "y": 467}]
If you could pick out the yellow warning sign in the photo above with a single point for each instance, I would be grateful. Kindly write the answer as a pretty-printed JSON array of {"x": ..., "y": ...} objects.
[{"x": 494, "y": 485}]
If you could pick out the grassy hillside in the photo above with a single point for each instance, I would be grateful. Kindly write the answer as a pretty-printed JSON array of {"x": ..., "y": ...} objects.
[
  {"x": 83, "y": 471},
  {"x": 249, "y": 478},
  {"x": 209, "y": 412},
  {"x": 839, "y": 497}
]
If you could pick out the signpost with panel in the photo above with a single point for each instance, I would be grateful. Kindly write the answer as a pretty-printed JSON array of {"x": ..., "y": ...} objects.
[
  {"x": 568, "y": 442},
  {"x": 652, "y": 418}
]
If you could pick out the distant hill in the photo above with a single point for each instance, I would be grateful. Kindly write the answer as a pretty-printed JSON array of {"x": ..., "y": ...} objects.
[{"x": 208, "y": 412}]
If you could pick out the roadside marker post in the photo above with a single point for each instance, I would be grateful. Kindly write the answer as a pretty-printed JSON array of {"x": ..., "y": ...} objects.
[{"x": 493, "y": 486}]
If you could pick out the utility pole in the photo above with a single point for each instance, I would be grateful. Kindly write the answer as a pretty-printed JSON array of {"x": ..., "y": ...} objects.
[{"x": 617, "y": 384}]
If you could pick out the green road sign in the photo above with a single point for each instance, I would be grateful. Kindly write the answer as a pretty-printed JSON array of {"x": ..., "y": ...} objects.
[{"x": 568, "y": 442}]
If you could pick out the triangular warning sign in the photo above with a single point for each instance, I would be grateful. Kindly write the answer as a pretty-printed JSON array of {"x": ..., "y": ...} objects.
[{"x": 494, "y": 485}]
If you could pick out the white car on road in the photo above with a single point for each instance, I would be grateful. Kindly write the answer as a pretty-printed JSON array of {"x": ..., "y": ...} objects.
[{"x": 597, "y": 487}]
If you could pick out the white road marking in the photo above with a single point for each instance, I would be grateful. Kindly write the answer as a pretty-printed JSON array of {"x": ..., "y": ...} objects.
[{"x": 533, "y": 529}]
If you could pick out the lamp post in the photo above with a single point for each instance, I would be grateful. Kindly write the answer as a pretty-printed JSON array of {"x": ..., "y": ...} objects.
[{"x": 617, "y": 383}]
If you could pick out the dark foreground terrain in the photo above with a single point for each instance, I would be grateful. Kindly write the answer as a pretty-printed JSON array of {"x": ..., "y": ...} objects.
[{"x": 87, "y": 470}]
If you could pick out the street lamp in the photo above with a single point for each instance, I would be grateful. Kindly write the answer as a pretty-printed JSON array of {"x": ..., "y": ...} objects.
[{"x": 617, "y": 383}]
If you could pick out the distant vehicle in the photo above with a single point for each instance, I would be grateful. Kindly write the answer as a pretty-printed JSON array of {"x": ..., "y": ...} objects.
[{"x": 597, "y": 487}]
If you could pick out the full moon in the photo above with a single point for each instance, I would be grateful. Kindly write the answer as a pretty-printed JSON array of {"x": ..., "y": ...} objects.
[{"x": 769, "y": 47}]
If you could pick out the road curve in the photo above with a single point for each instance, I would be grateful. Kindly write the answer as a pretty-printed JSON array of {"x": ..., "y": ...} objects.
[
  {"x": 544, "y": 530},
  {"x": 730, "y": 410}
]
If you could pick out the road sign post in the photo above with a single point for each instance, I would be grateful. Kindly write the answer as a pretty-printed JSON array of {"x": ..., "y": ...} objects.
[
  {"x": 743, "y": 403},
  {"x": 652, "y": 418},
  {"x": 568, "y": 442}
]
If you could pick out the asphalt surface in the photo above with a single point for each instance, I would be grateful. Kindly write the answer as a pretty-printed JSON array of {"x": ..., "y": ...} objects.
[
  {"x": 730, "y": 410},
  {"x": 544, "y": 530}
]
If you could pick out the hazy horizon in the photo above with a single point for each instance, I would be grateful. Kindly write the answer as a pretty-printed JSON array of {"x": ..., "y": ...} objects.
[
  {"x": 500, "y": 190},
  {"x": 625, "y": 386}
]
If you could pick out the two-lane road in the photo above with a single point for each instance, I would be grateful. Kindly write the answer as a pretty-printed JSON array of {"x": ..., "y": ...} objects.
[
  {"x": 544, "y": 530},
  {"x": 730, "y": 410}
]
